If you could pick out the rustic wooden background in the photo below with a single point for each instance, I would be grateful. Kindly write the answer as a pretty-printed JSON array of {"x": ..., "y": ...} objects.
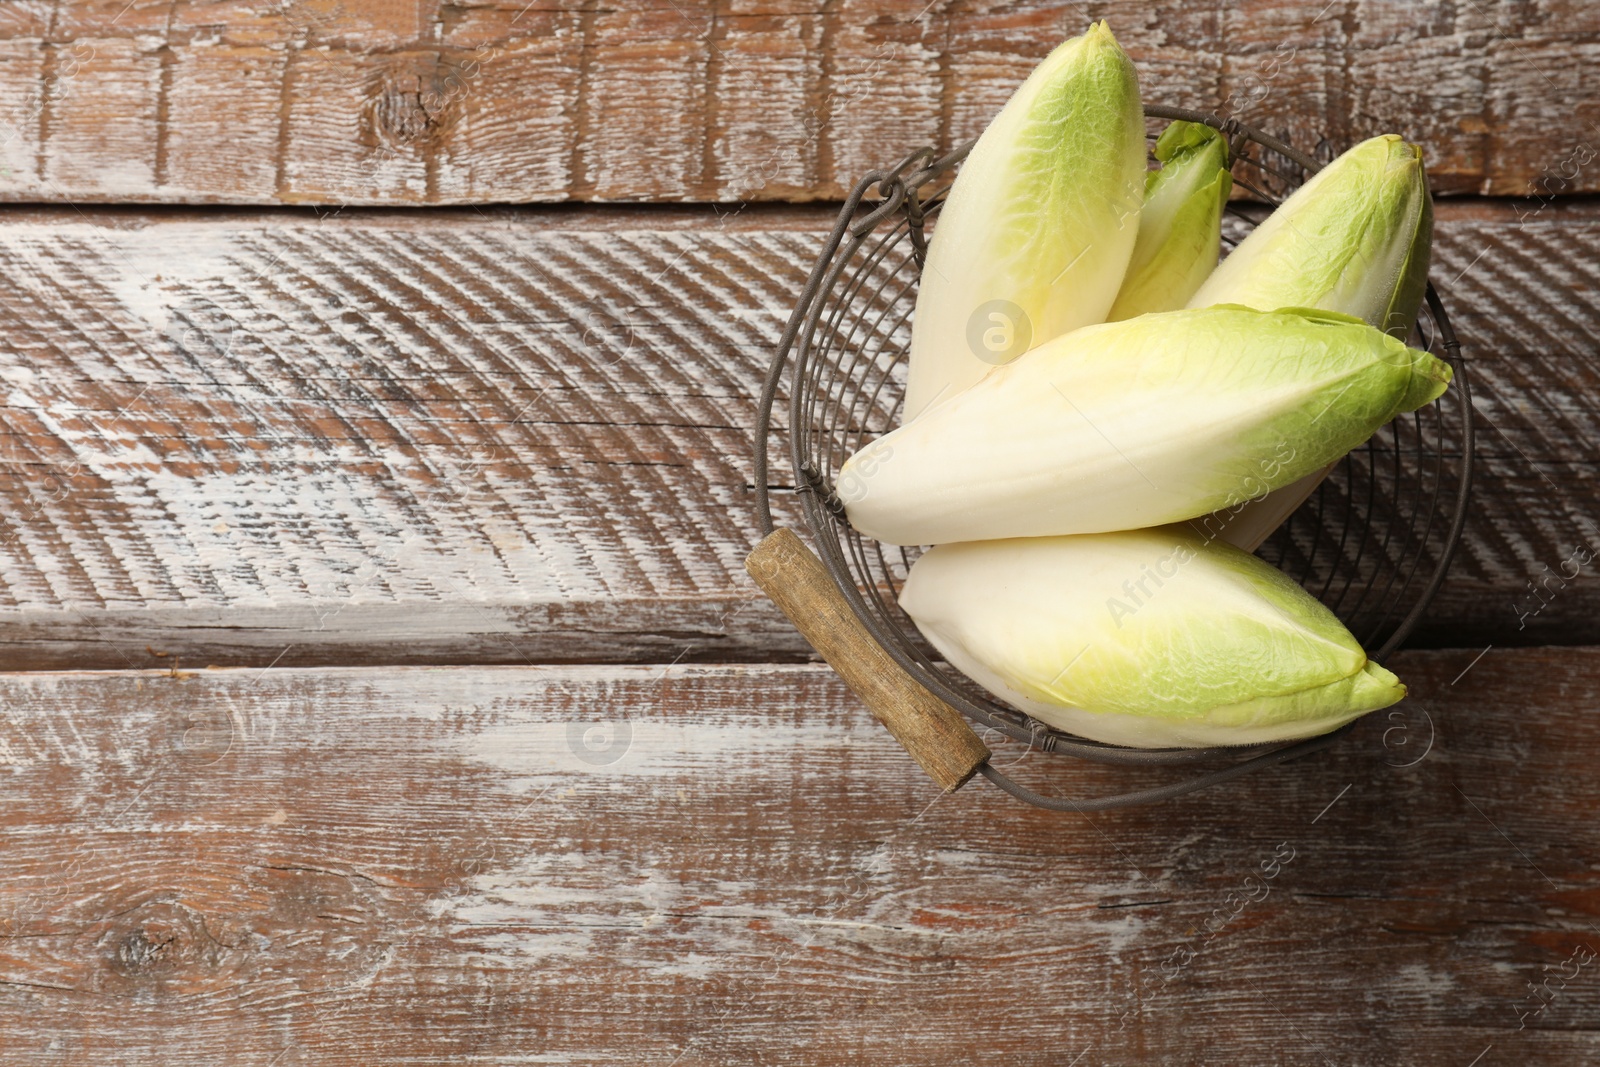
[{"x": 382, "y": 681}]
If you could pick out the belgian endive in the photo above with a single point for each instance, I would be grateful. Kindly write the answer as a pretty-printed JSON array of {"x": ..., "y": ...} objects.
[
  {"x": 1356, "y": 238},
  {"x": 1150, "y": 638},
  {"x": 1180, "y": 224},
  {"x": 1133, "y": 424},
  {"x": 1038, "y": 227}
]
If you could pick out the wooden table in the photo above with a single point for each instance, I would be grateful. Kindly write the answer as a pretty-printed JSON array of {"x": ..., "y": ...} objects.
[{"x": 383, "y": 685}]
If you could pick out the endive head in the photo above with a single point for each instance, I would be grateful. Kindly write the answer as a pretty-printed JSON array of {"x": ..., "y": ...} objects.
[
  {"x": 1356, "y": 238},
  {"x": 1131, "y": 424},
  {"x": 1181, "y": 139},
  {"x": 1148, "y": 637},
  {"x": 1058, "y": 173},
  {"x": 1180, "y": 225},
  {"x": 1036, "y": 233}
]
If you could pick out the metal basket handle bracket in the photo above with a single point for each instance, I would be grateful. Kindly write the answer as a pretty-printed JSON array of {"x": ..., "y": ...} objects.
[{"x": 935, "y": 734}]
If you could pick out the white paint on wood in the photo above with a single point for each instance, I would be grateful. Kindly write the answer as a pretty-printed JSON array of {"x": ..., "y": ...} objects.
[
  {"x": 243, "y": 863},
  {"x": 330, "y": 103},
  {"x": 526, "y": 438}
]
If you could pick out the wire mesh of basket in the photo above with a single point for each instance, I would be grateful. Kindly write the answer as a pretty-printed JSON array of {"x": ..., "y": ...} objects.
[{"x": 1373, "y": 543}]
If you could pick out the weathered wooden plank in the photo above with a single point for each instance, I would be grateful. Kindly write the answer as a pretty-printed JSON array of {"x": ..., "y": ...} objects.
[
  {"x": 722, "y": 864},
  {"x": 339, "y": 101},
  {"x": 1531, "y": 323},
  {"x": 523, "y": 436}
]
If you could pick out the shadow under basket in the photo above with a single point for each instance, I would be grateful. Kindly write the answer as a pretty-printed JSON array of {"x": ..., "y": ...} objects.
[{"x": 1373, "y": 543}]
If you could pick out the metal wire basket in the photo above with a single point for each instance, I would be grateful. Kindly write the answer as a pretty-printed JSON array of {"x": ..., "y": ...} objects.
[{"x": 1373, "y": 543}]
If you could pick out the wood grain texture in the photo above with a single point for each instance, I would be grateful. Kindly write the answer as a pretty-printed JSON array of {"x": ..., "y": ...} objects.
[
  {"x": 736, "y": 864},
  {"x": 523, "y": 436},
  {"x": 574, "y": 407},
  {"x": 1523, "y": 287},
  {"x": 933, "y": 732},
  {"x": 353, "y": 101}
]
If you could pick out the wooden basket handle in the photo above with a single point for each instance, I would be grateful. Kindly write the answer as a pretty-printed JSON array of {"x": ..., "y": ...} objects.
[{"x": 935, "y": 734}]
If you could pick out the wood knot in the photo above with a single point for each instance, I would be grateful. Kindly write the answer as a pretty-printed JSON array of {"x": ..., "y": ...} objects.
[
  {"x": 399, "y": 114},
  {"x": 141, "y": 952},
  {"x": 160, "y": 940},
  {"x": 307, "y": 927},
  {"x": 417, "y": 98}
]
